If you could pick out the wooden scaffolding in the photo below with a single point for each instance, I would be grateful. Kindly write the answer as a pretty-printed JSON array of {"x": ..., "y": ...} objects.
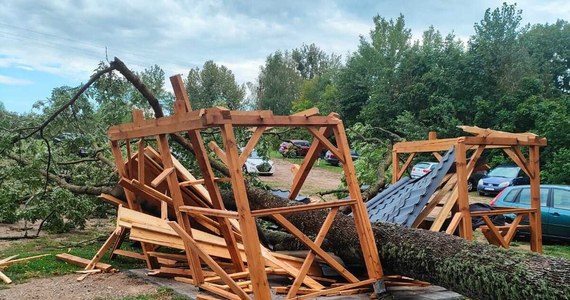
[
  {"x": 193, "y": 217},
  {"x": 453, "y": 196}
]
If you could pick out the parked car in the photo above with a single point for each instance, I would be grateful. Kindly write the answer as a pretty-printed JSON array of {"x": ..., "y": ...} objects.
[
  {"x": 554, "y": 202},
  {"x": 501, "y": 177},
  {"x": 333, "y": 160},
  {"x": 258, "y": 165},
  {"x": 474, "y": 179},
  {"x": 294, "y": 148},
  {"x": 422, "y": 168}
]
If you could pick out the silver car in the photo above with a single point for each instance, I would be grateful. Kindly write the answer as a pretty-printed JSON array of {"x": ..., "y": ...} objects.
[{"x": 422, "y": 168}]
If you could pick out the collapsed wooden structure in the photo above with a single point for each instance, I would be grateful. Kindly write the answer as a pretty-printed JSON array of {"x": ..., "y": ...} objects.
[
  {"x": 221, "y": 249},
  {"x": 453, "y": 199}
]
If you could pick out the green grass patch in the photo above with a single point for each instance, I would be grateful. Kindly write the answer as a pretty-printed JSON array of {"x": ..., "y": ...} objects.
[
  {"x": 83, "y": 244},
  {"x": 562, "y": 250}
]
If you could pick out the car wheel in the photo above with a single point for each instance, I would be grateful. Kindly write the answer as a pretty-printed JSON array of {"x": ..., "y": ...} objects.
[{"x": 470, "y": 186}]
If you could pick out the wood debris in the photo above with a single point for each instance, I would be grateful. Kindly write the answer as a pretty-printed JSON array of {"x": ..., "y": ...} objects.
[{"x": 219, "y": 249}]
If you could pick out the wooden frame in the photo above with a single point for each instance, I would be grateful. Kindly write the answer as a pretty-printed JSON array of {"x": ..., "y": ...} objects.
[
  {"x": 454, "y": 194},
  {"x": 157, "y": 177}
]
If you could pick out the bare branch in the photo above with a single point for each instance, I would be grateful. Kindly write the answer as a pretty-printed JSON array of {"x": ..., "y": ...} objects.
[{"x": 65, "y": 106}]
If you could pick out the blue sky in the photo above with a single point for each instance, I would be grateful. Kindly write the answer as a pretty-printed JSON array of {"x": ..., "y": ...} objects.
[{"x": 47, "y": 44}]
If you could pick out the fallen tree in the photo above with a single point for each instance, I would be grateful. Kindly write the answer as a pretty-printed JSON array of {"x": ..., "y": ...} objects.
[{"x": 475, "y": 270}]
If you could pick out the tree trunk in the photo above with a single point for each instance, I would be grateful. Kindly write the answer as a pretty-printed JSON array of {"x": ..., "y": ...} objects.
[{"x": 476, "y": 270}]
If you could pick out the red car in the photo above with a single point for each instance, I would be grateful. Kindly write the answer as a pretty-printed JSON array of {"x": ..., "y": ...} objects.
[{"x": 294, "y": 148}]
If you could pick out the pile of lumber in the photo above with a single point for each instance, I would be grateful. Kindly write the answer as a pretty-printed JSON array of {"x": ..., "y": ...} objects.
[{"x": 187, "y": 233}]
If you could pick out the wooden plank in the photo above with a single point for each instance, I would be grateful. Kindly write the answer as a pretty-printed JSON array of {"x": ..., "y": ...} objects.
[
  {"x": 440, "y": 219},
  {"x": 162, "y": 176},
  {"x": 215, "y": 197},
  {"x": 201, "y": 181},
  {"x": 180, "y": 92},
  {"x": 221, "y": 292},
  {"x": 361, "y": 220},
  {"x": 189, "y": 241},
  {"x": 454, "y": 223},
  {"x": 113, "y": 200},
  {"x": 496, "y": 234},
  {"x": 319, "y": 136},
  {"x": 82, "y": 262},
  {"x": 535, "y": 217},
  {"x": 247, "y": 224},
  {"x": 335, "y": 290},
  {"x": 311, "y": 256},
  {"x": 502, "y": 211},
  {"x": 406, "y": 165},
  {"x": 13, "y": 261},
  {"x": 395, "y": 165},
  {"x": 251, "y": 144},
  {"x": 108, "y": 243},
  {"x": 4, "y": 260},
  {"x": 209, "y": 211},
  {"x": 177, "y": 201},
  {"x": 301, "y": 207},
  {"x": 5, "y": 278},
  {"x": 130, "y": 254},
  {"x": 315, "y": 248},
  {"x": 519, "y": 161},
  {"x": 435, "y": 200},
  {"x": 219, "y": 152},
  {"x": 465, "y": 229},
  {"x": 312, "y": 155},
  {"x": 141, "y": 161}
]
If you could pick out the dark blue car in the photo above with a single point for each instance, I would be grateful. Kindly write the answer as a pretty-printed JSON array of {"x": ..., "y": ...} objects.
[{"x": 501, "y": 177}]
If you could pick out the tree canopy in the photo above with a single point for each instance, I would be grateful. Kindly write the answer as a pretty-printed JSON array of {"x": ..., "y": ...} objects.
[{"x": 507, "y": 76}]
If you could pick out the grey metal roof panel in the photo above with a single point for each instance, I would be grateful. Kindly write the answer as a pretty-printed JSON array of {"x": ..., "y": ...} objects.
[
  {"x": 402, "y": 202},
  {"x": 285, "y": 195}
]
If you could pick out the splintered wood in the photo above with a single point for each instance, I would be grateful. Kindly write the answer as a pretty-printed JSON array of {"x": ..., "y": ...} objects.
[
  {"x": 7, "y": 261},
  {"x": 211, "y": 247}
]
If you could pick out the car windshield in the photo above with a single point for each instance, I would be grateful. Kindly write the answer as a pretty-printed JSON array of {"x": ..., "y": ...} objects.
[
  {"x": 510, "y": 172},
  {"x": 254, "y": 154}
]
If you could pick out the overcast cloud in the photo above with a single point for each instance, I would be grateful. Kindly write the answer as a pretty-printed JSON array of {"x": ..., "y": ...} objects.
[{"x": 44, "y": 44}]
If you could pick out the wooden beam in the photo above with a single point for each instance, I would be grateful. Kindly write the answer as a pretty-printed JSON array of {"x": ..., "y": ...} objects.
[
  {"x": 302, "y": 207},
  {"x": 82, "y": 262},
  {"x": 219, "y": 152},
  {"x": 519, "y": 160},
  {"x": 312, "y": 155},
  {"x": 247, "y": 224},
  {"x": 319, "y": 136},
  {"x": 191, "y": 243},
  {"x": 406, "y": 165},
  {"x": 162, "y": 176},
  {"x": 311, "y": 255},
  {"x": 465, "y": 229},
  {"x": 209, "y": 212},
  {"x": 315, "y": 248},
  {"x": 535, "y": 218},
  {"x": 251, "y": 144}
]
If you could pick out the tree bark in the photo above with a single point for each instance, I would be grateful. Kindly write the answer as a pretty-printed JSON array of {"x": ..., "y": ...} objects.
[{"x": 475, "y": 270}]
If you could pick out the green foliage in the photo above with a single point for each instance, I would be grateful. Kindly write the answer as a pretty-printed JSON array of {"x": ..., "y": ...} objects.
[{"x": 214, "y": 86}]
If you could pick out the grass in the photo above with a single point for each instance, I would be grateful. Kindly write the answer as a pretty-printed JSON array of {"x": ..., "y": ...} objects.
[{"x": 82, "y": 243}]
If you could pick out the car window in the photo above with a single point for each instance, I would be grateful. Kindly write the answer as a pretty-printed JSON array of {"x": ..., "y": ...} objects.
[
  {"x": 524, "y": 196},
  {"x": 432, "y": 167},
  {"x": 511, "y": 195},
  {"x": 510, "y": 172},
  {"x": 254, "y": 154},
  {"x": 561, "y": 199}
]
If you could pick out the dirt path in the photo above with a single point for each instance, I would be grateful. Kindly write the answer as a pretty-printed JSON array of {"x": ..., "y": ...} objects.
[
  {"x": 97, "y": 286},
  {"x": 318, "y": 179}
]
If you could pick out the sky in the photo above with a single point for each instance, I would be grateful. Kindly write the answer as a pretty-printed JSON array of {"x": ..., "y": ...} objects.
[{"x": 48, "y": 44}]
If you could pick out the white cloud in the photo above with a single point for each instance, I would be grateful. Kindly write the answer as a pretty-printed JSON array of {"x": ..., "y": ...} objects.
[{"x": 7, "y": 80}]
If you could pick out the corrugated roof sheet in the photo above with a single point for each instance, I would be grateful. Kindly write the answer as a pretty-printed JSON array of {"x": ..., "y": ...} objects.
[
  {"x": 285, "y": 195},
  {"x": 402, "y": 202}
]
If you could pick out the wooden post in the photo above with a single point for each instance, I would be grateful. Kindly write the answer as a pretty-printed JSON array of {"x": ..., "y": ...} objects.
[
  {"x": 535, "y": 218},
  {"x": 362, "y": 222},
  {"x": 395, "y": 166},
  {"x": 250, "y": 238},
  {"x": 465, "y": 229}
]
